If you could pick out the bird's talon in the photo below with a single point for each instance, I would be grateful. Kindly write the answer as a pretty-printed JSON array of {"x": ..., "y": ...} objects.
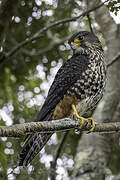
[
  {"x": 93, "y": 123},
  {"x": 90, "y": 120},
  {"x": 93, "y": 126},
  {"x": 86, "y": 123},
  {"x": 84, "y": 120}
]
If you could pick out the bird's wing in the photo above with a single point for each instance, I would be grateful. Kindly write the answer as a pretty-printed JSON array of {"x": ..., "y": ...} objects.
[{"x": 66, "y": 76}]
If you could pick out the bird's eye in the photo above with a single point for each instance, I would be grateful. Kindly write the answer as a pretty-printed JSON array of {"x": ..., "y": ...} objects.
[{"x": 81, "y": 38}]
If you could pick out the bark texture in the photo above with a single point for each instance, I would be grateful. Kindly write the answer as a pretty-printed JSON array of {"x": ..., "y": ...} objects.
[
  {"x": 65, "y": 124},
  {"x": 97, "y": 153}
]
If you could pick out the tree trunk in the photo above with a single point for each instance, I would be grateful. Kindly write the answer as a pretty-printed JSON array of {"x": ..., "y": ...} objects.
[{"x": 96, "y": 152}]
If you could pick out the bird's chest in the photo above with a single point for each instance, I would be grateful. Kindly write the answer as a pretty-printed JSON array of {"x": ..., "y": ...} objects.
[{"x": 90, "y": 82}]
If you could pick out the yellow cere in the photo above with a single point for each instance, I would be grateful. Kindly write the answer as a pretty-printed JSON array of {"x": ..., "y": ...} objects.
[{"x": 76, "y": 42}]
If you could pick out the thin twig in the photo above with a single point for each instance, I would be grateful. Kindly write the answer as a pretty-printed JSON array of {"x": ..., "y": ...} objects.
[
  {"x": 58, "y": 151},
  {"x": 90, "y": 24},
  {"x": 38, "y": 34},
  {"x": 116, "y": 58},
  {"x": 60, "y": 146}
]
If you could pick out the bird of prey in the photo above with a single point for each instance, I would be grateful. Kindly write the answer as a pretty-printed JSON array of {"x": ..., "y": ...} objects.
[{"x": 77, "y": 88}]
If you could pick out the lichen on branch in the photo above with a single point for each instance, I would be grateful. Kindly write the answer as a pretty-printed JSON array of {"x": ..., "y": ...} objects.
[{"x": 54, "y": 126}]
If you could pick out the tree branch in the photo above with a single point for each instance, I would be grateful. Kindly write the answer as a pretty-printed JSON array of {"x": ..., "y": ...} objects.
[
  {"x": 116, "y": 58},
  {"x": 90, "y": 24},
  {"x": 38, "y": 34},
  {"x": 89, "y": 19},
  {"x": 53, "y": 126},
  {"x": 52, "y": 44},
  {"x": 58, "y": 151}
]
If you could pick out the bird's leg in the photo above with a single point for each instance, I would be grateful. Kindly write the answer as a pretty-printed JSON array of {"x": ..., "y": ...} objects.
[{"x": 83, "y": 120}]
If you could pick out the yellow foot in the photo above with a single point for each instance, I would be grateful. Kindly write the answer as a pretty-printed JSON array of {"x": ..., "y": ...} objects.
[
  {"x": 84, "y": 120},
  {"x": 93, "y": 123}
]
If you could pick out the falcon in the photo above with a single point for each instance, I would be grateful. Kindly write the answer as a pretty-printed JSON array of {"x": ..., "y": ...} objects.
[{"x": 77, "y": 88}]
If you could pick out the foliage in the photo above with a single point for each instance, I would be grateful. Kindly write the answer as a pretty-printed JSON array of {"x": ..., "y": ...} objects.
[
  {"x": 26, "y": 76},
  {"x": 114, "y": 6}
]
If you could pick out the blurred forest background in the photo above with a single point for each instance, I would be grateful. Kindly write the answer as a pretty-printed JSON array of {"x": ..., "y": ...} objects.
[{"x": 30, "y": 56}]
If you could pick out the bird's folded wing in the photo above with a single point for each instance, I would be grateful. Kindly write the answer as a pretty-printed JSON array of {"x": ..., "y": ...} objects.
[{"x": 66, "y": 76}]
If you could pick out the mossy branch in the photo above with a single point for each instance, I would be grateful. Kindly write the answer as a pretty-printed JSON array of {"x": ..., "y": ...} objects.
[{"x": 54, "y": 126}]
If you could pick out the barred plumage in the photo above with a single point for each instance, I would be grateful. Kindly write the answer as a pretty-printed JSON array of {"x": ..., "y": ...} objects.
[{"x": 80, "y": 81}]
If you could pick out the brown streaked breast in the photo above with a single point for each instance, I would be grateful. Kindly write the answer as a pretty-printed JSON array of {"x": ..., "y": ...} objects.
[{"x": 64, "y": 107}]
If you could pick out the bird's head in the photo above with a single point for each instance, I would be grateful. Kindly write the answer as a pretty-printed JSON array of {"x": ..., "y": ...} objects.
[{"x": 84, "y": 40}]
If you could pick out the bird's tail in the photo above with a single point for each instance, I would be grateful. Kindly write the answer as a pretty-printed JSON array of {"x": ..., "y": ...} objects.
[{"x": 34, "y": 143}]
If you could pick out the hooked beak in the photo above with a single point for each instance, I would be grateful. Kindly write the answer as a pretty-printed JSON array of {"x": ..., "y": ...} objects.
[{"x": 72, "y": 46}]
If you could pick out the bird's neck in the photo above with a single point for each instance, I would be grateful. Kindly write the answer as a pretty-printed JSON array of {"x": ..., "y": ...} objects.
[{"x": 93, "y": 53}]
